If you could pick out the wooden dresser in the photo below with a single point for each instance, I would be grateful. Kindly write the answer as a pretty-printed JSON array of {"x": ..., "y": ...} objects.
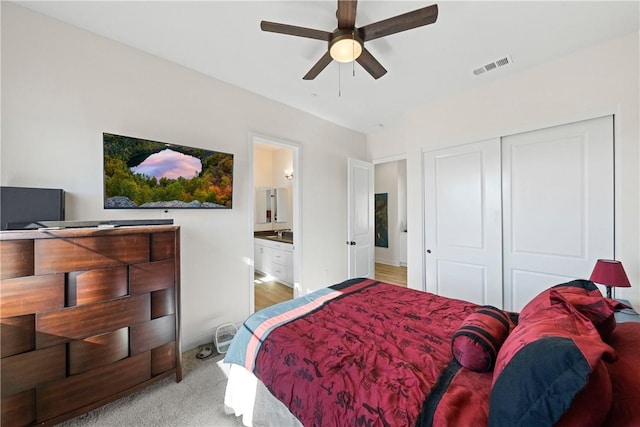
[{"x": 88, "y": 315}]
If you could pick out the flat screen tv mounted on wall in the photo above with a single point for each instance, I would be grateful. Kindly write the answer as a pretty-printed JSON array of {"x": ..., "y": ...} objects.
[{"x": 143, "y": 174}]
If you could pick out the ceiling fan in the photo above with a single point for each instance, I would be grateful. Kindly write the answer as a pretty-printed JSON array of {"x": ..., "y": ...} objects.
[{"x": 346, "y": 43}]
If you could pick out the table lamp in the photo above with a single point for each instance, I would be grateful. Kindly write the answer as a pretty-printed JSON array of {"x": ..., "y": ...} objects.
[{"x": 609, "y": 272}]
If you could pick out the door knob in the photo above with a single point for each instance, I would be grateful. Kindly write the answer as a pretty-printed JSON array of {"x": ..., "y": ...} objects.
[
  {"x": 428, "y": 251},
  {"x": 352, "y": 243}
]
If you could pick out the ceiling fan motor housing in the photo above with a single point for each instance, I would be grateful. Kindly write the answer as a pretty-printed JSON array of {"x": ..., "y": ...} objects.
[{"x": 345, "y": 45}]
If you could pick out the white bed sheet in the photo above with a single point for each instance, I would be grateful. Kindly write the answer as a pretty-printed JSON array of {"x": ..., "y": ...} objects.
[{"x": 248, "y": 397}]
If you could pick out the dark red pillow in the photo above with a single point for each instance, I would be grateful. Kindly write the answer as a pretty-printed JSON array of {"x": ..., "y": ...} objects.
[
  {"x": 544, "y": 364},
  {"x": 476, "y": 343},
  {"x": 591, "y": 405},
  {"x": 583, "y": 295},
  {"x": 625, "y": 376},
  {"x": 598, "y": 309},
  {"x": 575, "y": 287}
]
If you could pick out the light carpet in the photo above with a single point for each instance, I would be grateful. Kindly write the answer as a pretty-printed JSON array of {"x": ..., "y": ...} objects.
[{"x": 195, "y": 401}]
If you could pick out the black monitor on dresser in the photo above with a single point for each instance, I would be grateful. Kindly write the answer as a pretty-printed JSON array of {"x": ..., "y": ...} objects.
[{"x": 20, "y": 206}]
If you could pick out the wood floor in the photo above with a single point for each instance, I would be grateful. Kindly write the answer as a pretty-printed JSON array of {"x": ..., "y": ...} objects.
[
  {"x": 391, "y": 274},
  {"x": 270, "y": 292}
]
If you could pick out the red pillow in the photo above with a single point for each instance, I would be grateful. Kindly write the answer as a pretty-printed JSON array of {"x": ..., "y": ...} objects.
[
  {"x": 591, "y": 405},
  {"x": 583, "y": 295},
  {"x": 544, "y": 364},
  {"x": 598, "y": 309},
  {"x": 575, "y": 287},
  {"x": 625, "y": 376},
  {"x": 476, "y": 343}
]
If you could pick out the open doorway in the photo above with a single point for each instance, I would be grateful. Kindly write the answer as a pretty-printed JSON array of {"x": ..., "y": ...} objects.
[
  {"x": 390, "y": 188},
  {"x": 275, "y": 232}
]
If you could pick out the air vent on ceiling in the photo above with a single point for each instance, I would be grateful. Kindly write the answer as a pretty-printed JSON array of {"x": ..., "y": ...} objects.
[{"x": 493, "y": 65}]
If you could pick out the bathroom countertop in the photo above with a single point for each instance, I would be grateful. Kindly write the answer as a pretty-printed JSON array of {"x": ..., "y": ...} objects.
[{"x": 287, "y": 236}]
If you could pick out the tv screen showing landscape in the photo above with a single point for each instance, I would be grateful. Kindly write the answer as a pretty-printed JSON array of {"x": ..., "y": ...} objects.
[{"x": 143, "y": 174}]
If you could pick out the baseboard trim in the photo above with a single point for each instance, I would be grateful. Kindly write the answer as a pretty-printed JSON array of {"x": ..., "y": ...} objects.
[
  {"x": 206, "y": 338},
  {"x": 387, "y": 262}
]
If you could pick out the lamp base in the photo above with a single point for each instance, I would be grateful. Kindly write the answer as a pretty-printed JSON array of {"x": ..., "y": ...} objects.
[{"x": 608, "y": 291}]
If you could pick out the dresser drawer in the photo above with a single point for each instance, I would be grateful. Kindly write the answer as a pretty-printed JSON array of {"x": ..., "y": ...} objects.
[
  {"x": 16, "y": 257},
  {"x": 278, "y": 256},
  {"x": 86, "y": 253},
  {"x": 278, "y": 271}
]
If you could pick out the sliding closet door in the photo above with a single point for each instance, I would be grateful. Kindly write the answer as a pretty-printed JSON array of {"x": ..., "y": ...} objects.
[
  {"x": 557, "y": 206},
  {"x": 462, "y": 222}
]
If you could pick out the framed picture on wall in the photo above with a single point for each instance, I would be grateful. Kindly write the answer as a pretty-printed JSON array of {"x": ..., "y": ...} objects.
[{"x": 381, "y": 220}]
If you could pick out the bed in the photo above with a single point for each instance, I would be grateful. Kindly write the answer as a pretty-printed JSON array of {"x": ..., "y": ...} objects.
[{"x": 367, "y": 353}]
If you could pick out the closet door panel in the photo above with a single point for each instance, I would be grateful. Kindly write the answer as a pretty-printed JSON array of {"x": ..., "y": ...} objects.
[
  {"x": 463, "y": 222},
  {"x": 547, "y": 195},
  {"x": 527, "y": 284},
  {"x": 462, "y": 280},
  {"x": 558, "y": 206}
]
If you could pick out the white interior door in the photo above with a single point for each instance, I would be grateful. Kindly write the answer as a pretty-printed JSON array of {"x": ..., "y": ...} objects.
[
  {"x": 361, "y": 224},
  {"x": 463, "y": 222},
  {"x": 558, "y": 206}
]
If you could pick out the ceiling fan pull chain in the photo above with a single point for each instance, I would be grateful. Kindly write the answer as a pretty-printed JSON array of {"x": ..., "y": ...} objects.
[
  {"x": 339, "y": 82},
  {"x": 353, "y": 52}
]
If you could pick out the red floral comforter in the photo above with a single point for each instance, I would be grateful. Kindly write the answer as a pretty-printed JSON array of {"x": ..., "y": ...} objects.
[{"x": 367, "y": 357}]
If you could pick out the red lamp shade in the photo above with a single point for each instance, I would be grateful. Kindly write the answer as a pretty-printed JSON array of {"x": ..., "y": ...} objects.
[{"x": 610, "y": 273}]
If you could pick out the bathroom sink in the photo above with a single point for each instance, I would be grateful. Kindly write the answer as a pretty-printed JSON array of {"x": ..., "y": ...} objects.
[{"x": 275, "y": 238}]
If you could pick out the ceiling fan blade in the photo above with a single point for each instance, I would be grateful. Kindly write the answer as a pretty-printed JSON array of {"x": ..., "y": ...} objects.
[
  {"x": 371, "y": 64},
  {"x": 319, "y": 66},
  {"x": 347, "y": 13},
  {"x": 417, "y": 18},
  {"x": 292, "y": 30}
]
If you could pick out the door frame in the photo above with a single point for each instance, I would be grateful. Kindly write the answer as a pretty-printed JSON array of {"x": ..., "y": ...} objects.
[
  {"x": 394, "y": 159},
  {"x": 373, "y": 162},
  {"x": 296, "y": 224}
]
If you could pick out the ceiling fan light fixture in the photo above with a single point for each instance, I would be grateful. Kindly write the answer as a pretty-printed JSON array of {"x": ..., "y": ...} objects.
[
  {"x": 346, "y": 43},
  {"x": 345, "y": 47}
]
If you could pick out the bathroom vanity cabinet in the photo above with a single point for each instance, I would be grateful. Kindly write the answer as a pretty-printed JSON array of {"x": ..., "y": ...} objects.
[{"x": 274, "y": 258}]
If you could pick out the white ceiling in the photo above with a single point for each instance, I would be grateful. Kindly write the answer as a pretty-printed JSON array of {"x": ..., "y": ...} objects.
[{"x": 223, "y": 39}]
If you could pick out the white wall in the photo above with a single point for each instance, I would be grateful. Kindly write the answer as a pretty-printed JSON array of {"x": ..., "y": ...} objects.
[
  {"x": 389, "y": 142},
  {"x": 62, "y": 87},
  {"x": 268, "y": 172},
  {"x": 262, "y": 167},
  {"x": 593, "y": 82},
  {"x": 283, "y": 160}
]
